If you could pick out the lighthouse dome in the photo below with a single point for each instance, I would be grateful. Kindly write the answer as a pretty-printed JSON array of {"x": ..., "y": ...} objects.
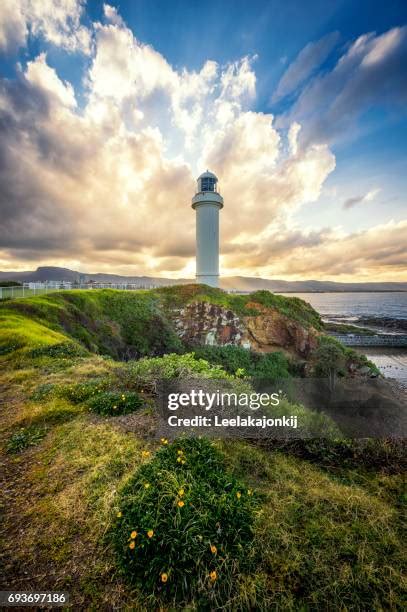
[{"x": 207, "y": 181}]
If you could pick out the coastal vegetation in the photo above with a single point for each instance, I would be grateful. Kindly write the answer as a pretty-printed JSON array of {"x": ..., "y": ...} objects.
[{"x": 96, "y": 504}]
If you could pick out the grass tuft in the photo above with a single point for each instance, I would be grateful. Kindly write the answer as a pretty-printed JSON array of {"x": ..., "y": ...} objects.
[
  {"x": 24, "y": 438},
  {"x": 113, "y": 403},
  {"x": 184, "y": 526}
]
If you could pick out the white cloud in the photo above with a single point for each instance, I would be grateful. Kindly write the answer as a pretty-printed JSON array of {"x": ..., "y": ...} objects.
[
  {"x": 112, "y": 15},
  {"x": 38, "y": 73},
  {"x": 111, "y": 183},
  {"x": 122, "y": 67},
  {"x": 374, "y": 254},
  {"x": 57, "y": 21},
  {"x": 13, "y": 26},
  {"x": 305, "y": 64},
  {"x": 383, "y": 46},
  {"x": 293, "y": 132},
  {"x": 370, "y": 73},
  {"x": 359, "y": 199}
]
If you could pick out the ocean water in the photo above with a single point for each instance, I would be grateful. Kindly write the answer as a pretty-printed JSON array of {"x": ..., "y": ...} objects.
[
  {"x": 353, "y": 305},
  {"x": 392, "y": 362}
]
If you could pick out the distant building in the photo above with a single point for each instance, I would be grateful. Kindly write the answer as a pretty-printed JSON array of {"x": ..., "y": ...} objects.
[{"x": 207, "y": 202}]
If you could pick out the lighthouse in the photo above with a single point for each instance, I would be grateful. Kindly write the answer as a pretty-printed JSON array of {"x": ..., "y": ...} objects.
[{"x": 207, "y": 203}]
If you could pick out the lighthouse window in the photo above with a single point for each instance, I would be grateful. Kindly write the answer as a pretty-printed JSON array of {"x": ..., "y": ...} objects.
[{"x": 208, "y": 184}]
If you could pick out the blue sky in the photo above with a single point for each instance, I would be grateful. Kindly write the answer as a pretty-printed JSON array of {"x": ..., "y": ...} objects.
[{"x": 300, "y": 107}]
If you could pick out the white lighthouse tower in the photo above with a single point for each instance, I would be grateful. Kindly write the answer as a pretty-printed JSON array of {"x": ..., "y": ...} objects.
[{"x": 207, "y": 202}]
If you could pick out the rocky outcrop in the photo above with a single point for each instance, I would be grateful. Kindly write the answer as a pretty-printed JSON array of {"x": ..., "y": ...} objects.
[
  {"x": 270, "y": 331},
  {"x": 202, "y": 323}
]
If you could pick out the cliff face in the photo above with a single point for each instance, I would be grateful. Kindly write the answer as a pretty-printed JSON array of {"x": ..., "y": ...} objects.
[
  {"x": 202, "y": 323},
  {"x": 271, "y": 330}
]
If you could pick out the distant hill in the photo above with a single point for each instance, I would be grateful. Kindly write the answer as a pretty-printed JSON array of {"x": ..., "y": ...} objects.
[
  {"x": 240, "y": 283},
  {"x": 244, "y": 283}
]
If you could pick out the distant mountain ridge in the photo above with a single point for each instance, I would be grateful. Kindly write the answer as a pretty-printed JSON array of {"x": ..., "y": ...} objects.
[{"x": 240, "y": 283}]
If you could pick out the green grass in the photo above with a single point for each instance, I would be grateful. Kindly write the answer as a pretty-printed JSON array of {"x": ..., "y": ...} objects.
[
  {"x": 312, "y": 530},
  {"x": 322, "y": 535},
  {"x": 324, "y": 527},
  {"x": 122, "y": 324},
  {"x": 19, "y": 332},
  {"x": 345, "y": 328}
]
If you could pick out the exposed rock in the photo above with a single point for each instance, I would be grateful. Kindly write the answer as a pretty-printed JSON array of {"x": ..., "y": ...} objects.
[
  {"x": 270, "y": 330},
  {"x": 202, "y": 323}
]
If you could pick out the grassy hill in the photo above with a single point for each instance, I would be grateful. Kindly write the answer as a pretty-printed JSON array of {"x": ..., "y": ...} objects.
[
  {"x": 219, "y": 525},
  {"x": 123, "y": 323}
]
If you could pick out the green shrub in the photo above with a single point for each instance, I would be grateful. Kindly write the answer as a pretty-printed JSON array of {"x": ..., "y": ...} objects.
[
  {"x": 329, "y": 359},
  {"x": 14, "y": 345},
  {"x": 310, "y": 423},
  {"x": 114, "y": 403},
  {"x": 42, "y": 391},
  {"x": 81, "y": 392},
  {"x": 62, "y": 349},
  {"x": 242, "y": 362},
  {"x": 387, "y": 455},
  {"x": 146, "y": 371},
  {"x": 10, "y": 283},
  {"x": 332, "y": 358},
  {"x": 25, "y": 437},
  {"x": 183, "y": 530}
]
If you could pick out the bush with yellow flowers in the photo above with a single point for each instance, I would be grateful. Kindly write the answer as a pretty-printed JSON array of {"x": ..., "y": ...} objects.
[
  {"x": 183, "y": 526},
  {"x": 114, "y": 403}
]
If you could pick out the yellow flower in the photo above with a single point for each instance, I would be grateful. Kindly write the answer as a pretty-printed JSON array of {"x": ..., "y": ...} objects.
[
  {"x": 182, "y": 461},
  {"x": 249, "y": 492},
  {"x": 133, "y": 534},
  {"x": 132, "y": 544},
  {"x": 114, "y": 407},
  {"x": 179, "y": 459},
  {"x": 146, "y": 485},
  {"x": 214, "y": 550},
  {"x": 164, "y": 577},
  {"x": 238, "y": 495},
  {"x": 123, "y": 397},
  {"x": 119, "y": 515},
  {"x": 181, "y": 503},
  {"x": 180, "y": 452},
  {"x": 213, "y": 575},
  {"x": 164, "y": 441},
  {"x": 145, "y": 453},
  {"x": 181, "y": 492},
  {"x": 150, "y": 533}
]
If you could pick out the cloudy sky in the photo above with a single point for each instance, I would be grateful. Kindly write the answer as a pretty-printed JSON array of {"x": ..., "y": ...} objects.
[{"x": 108, "y": 113}]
